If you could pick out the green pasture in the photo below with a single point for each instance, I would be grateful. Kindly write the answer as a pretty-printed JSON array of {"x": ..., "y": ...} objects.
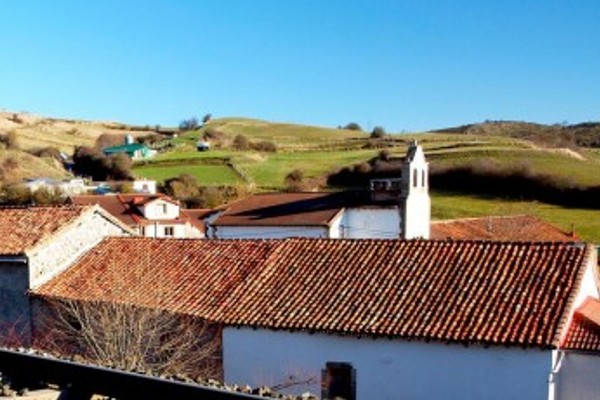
[{"x": 205, "y": 174}]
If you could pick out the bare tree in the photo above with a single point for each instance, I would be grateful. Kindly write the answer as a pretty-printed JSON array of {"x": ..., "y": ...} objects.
[
  {"x": 131, "y": 338},
  {"x": 132, "y": 330}
]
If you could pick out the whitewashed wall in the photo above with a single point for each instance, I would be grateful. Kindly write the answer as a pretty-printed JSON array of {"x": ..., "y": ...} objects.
[
  {"x": 577, "y": 377},
  {"x": 154, "y": 210},
  {"x": 371, "y": 222},
  {"x": 269, "y": 232},
  {"x": 66, "y": 246},
  {"x": 387, "y": 369},
  {"x": 157, "y": 230}
]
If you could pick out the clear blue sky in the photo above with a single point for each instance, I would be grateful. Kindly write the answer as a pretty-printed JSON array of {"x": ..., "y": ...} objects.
[{"x": 405, "y": 65}]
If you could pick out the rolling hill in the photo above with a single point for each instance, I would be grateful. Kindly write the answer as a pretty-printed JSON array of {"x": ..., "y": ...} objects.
[{"x": 319, "y": 151}]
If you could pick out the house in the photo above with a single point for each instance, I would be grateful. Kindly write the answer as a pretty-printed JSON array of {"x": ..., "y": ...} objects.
[
  {"x": 39, "y": 243},
  {"x": 135, "y": 151},
  {"x": 372, "y": 319},
  {"x": 65, "y": 186},
  {"x": 150, "y": 215},
  {"x": 392, "y": 208},
  {"x": 505, "y": 228}
]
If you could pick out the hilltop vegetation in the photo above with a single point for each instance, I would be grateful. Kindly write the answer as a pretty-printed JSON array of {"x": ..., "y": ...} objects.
[{"x": 255, "y": 155}]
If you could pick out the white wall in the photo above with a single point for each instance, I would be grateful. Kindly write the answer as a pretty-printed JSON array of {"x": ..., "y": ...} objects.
[
  {"x": 371, "y": 222},
  {"x": 154, "y": 210},
  {"x": 158, "y": 230},
  {"x": 387, "y": 369},
  {"x": 417, "y": 215},
  {"x": 577, "y": 377},
  {"x": 67, "y": 245},
  {"x": 269, "y": 232}
]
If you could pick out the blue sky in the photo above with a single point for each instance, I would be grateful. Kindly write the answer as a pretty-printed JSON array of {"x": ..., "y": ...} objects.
[{"x": 404, "y": 65}]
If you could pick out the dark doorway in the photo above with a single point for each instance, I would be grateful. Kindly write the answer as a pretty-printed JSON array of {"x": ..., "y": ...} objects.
[{"x": 339, "y": 380}]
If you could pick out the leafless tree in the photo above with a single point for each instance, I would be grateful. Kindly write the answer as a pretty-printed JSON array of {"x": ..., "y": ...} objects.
[{"x": 131, "y": 338}]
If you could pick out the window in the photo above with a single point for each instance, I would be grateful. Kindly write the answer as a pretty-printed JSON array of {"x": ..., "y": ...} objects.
[
  {"x": 338, "y": 380},
  {"x": 423, "y": 178},
  {"x": 143, "y": 231},
  {"x": 163, "y": 208},
  {"x": 415, "y": 177},
  {"x": 169, "y": 231}
]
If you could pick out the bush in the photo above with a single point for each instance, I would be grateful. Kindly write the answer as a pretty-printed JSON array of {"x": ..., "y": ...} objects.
[
  {"x": 109, "y": 140},
  {"x": 265, "y": 146},
  {"x": 91, "y": 162},
  {"x": 206, "y": 118},
  {"x": 241, "y": 142},
  {"x": 385, "y": 155},
  {"x": 378, "y": 132},
  {"x": 294, "y": 181},
  {"x": 10, "y": 140},
  {"x": 353, "y": 126},
  {"x": 189, "y": 124}
]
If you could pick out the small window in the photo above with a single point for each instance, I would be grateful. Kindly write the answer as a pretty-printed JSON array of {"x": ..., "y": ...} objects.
[
  {"x": 169, "y": 231},
  {"x": 415, "y": 177},
  {"x": 423, "y": 178},
  {"x": 143, "y": 231},
  {"x": 338, "y": 380},
  {"x": 163, "y": 208}
]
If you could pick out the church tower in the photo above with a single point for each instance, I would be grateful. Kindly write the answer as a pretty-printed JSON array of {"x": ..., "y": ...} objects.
[{"x": 415, "y": 202}]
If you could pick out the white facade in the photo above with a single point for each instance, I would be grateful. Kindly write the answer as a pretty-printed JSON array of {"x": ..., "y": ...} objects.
[
  {"x": 166, "y": 229},
  {"x": 386, "y": 369},
  {"x": 575, "y": 377},
  {"x": 371, "y": 222},
  {"x": 144, "y": 186},
  {"x": 160, "y": 209}
]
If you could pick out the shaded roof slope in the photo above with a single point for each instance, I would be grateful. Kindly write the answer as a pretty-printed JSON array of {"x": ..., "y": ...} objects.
[
  {"x": 485, "y": 292},
  {"x": 292, "y": 209},
  {"x": 23, "y": 228},
  {"x": 506, "y": 228},
  {"x": 584, "y": 330}
]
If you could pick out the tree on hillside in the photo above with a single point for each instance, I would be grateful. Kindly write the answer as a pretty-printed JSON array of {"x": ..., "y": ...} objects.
[
  {"x": 353, "y": 126},
  {"x": 241, "y": 142},
  {"x": 91, "y": 162},
  {"x": 294, "y": 181},
  {"x": 189, "y": 124},
  {"x": 206, "y": 118},
  {"x": 378, "y": 132}
]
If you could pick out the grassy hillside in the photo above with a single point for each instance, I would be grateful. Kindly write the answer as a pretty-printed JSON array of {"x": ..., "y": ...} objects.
[{"x": 319, "y": 151}]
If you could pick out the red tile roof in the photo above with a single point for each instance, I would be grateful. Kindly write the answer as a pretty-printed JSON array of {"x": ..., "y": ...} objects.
[
  {"x": 23, "y": 228},
  {"x": 196, "y": 216},
  {"x": 584, "y": 330},
  {"x": 488, "y": 292},
  {"x": 125, "y": 207},
  {"x": 506, "y": 228}
]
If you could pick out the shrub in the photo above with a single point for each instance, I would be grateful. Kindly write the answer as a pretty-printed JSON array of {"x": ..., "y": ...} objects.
[
  {"x": 385, "y": 155},
  {"x": 206, "y": 118},
  {"x": 241, "y": 142},
  {"x": 265, "y": 146},
  {"x": 109, "y": 140},
  {"x": 189, "y": 124},
  {"x": 353, "y": 126},
  {"x": 10, "y": 140},
  {"x": 378, "y": 132},
  {"x": 294, "y": 181},
  {"x": 91, "y": 162}
]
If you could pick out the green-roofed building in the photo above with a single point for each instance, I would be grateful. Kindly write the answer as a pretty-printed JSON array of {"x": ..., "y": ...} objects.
[{"x": 135, "y": 151}]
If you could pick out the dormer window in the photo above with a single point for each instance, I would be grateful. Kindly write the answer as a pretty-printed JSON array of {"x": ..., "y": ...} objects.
[{"x": 163, "y": 208}]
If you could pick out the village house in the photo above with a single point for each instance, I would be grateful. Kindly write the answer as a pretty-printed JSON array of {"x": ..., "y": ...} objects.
[
  {"x": 37, "y": 244},
  {"x": 392, "y": 208},
  {"x": 150, "y": 215},
  {"x": 372, "y": 319},
  {"x": 135, "y": 151}
]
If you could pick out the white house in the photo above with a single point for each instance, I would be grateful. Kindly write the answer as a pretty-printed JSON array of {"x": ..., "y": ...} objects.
[
  {"x": 392, "y": 208},
  {"x": 150, "y": 215},
  {"x": 39, "y": 243},
  {"x": 375, "y": 318}
]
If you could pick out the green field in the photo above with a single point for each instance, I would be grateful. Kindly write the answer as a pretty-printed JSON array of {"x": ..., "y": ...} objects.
[
  {"x": 586, "y": 223},
  {"x": 205, "y": 174}
]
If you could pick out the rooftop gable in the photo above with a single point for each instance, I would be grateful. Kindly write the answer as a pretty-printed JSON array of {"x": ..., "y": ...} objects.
[
  {"x": 584, "y": 330},
  {"x": 22, "y": 229},
  {"x": 505, "y": 228}
]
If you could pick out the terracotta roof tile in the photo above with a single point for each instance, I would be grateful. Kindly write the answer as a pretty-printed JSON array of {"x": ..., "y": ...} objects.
[
  {"x": 466, "y": 291},
  {"x": 584, "y": 330},
  {"x": 506, "y": 228},
  {"x": 23, "y": 228}
]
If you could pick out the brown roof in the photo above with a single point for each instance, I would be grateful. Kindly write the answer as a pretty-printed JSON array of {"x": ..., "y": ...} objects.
[
  {"x": 123, "y": 206},
  {"x": 196, "y": 216},
  {"x": 465, "y": 291},
  {"x": 506, "y": 228},
  {"x": 23, "y": 228},
  {"x": 584, "y": 330},
  {"x": 291, "y": 209}
]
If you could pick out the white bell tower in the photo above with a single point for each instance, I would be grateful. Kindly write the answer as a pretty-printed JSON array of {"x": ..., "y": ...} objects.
[{"x": 415, "y": 201}]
